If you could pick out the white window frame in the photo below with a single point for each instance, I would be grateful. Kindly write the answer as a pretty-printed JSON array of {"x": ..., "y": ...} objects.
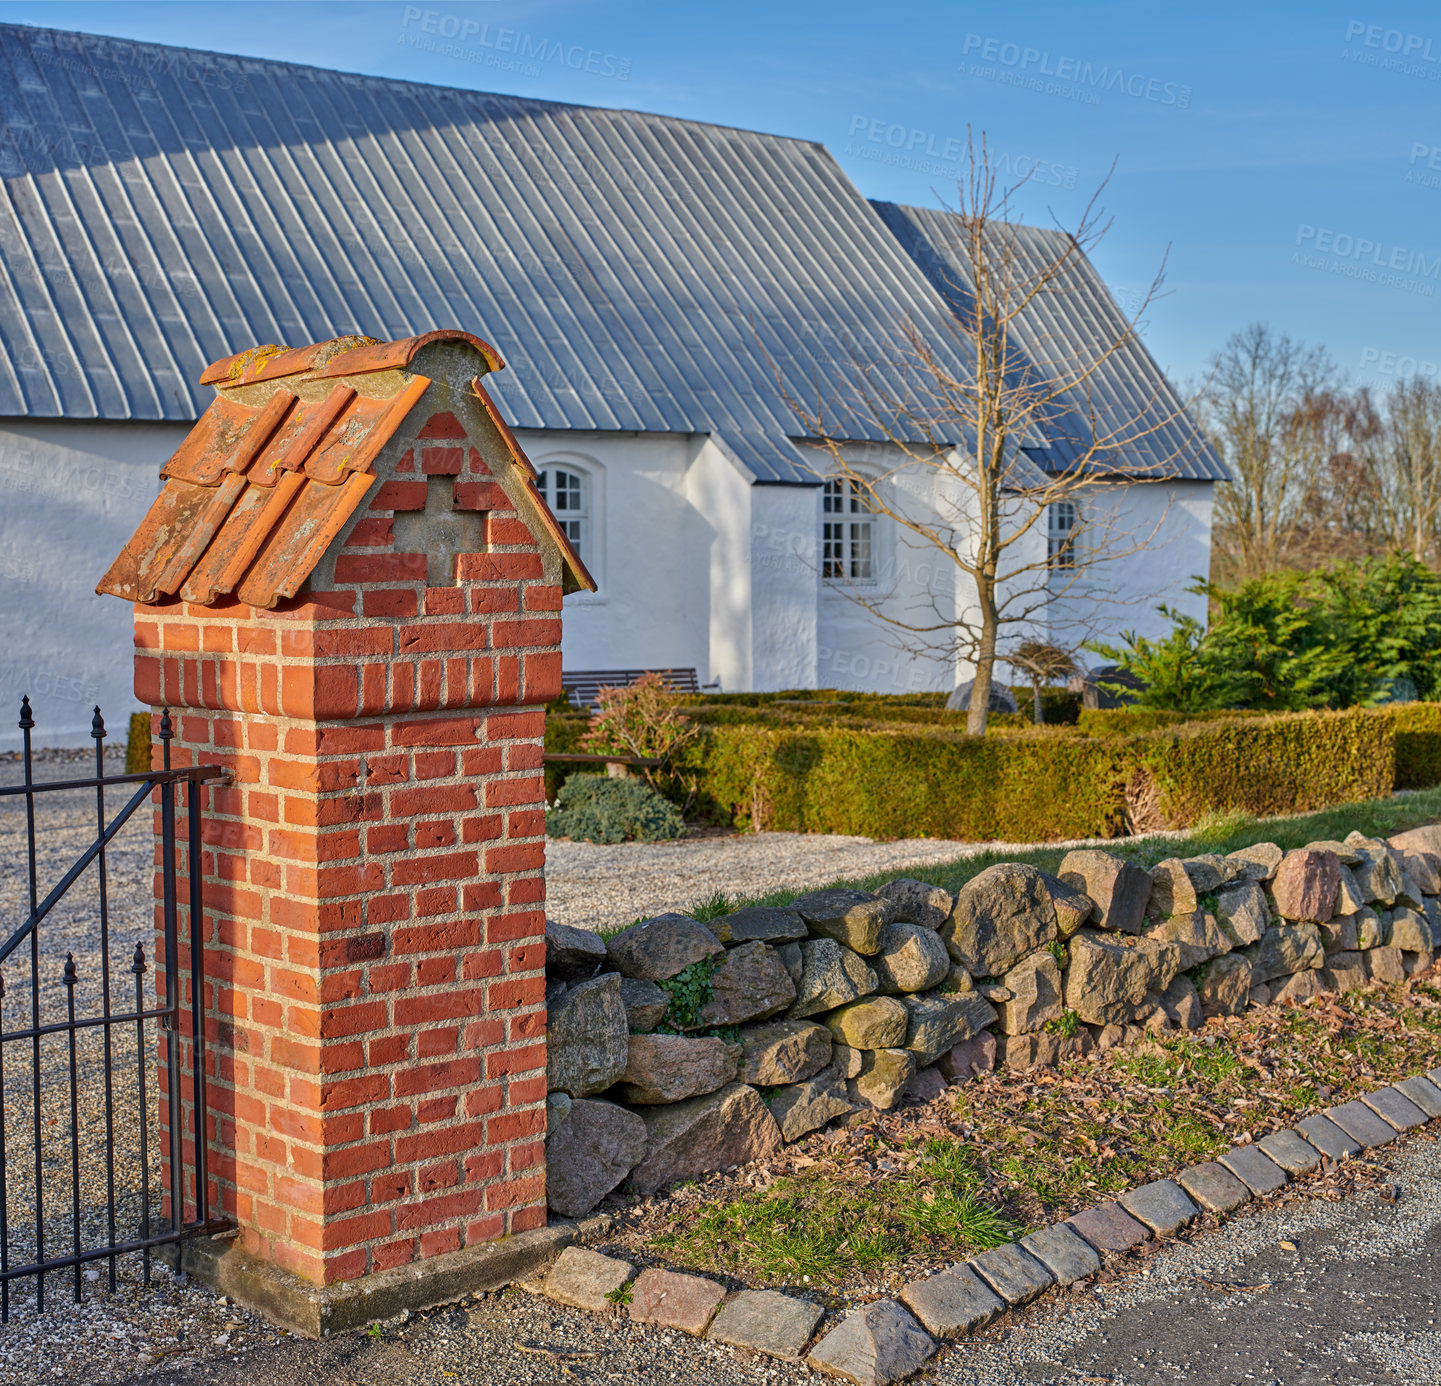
[
  {"x": 850, "y": 536},
  {"x": 586, "y": 520},
  {"x": 1063, "y": 533}
]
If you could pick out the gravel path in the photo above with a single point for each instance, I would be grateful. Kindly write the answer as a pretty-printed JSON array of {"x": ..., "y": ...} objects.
[{"x": 591, "y": 886}]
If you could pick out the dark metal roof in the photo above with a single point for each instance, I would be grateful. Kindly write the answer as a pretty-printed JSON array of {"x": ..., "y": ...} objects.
[
  {"x": 1064, "y": 330},
  {"x": 163, "y": 207}
]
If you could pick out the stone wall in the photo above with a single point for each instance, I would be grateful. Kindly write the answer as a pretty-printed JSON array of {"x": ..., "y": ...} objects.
[{"x": 678, "y": 1047}]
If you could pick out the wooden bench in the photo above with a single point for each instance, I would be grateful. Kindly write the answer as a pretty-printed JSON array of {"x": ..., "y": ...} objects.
[
  {"x": 617, "y": 767},
  {"x": 583, "y": 685}
]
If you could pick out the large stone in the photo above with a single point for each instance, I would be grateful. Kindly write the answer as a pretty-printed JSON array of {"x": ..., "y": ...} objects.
[
  {"x": 1109, "y": 1228},
  {"x": 1424, "y": 868},
  {"x": 793, "y": 960},
  {"x": 1284, "y": 949},
  {"x": 1357, "y": 1120},
  {"x": 1349, "y": 898},
  {"x": 703, "y": 1134},
  {"x": 1020, "y": 1053},
  {"x": 1340, "y": 935},
  {"x": 1073, "y": 907},
  {"x": 1208, "y": 872},
  {"x": 557, "y": 1109},
  {"x": 1259, "y": 861},
  {"x": 1035, "y": 987},
  {"x": 878, "y": 1022},
  {"x": 1290, "y": 1151},
  {"x": 645, "y": 1004},
  {"x": 1424, "y": 839},
  {"x": 969, "y": 1059},
  {"x": 572, "y": 954},
  {"x": 1384, "y": 965},
  {"x": 915, "y": 902},
  {"x": 1197, "y": 935},
  {"x": 845, "y": 1061},
  {"x": 1224, "y": 985},
  {"x": 670, "y": 1299},
  {"x": 851, "y": 917},
  {"x": 1254, "y": 1168},
  {"x": 882, "y": 1080},
  {"x": 1372, "y": 928},
  {"x": 831, "y": 975},
  {"x": 1214, "y": 1187},
  {"x": 1013, "y": 1273},
  {"x": 1242, "y": 912},
  {"x": 766, "y": 1321},
  {"x": 670, "y": 1068},
  {"x": 783, "y": 1051},
  {"x": 1171, "y": 890},
  {"x": 1306, "y": 885},
  {"x": 1118, "y": 889},
  {"x": 1329, "y": 1138},
  {"x": 999, "y": 916},
  {"x": 875, "y": 1345},
  {"x": 937, "y": 1023},
  {"x": 1411, "y": 931},
  {"x": 659, "y": 948},
  {"x": 1395, "y": 1107},
  {"x": 749, "y": 983},
  {"x": 1182, "y": 1004},
  {"x": 1162, "y": 1205},
  {"x": 1107, "y": 978},
  {"x": 586, "y": 1279},
  {"x": 912, "y": 957},
  {"x": 1068, "y": 1256},
  {"x": 1378, "y": 873},
  {"x": 955, "y": 1302},
  {"x": 586, "y": 1038},
  {"x": 759, "y": 924},
  {"x": 589, "y": 1153},
  {"x": 926, "y": 1085},
  {"x": 799, "y": 1108},
  {"x": 1345, "y": 972},
  {"x": 1347, "y": 856},
  {"x": 1299, "y": 986}
]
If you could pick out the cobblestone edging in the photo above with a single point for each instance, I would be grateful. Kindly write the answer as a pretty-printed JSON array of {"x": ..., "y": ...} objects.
[{"x": 887, "y": 1340}]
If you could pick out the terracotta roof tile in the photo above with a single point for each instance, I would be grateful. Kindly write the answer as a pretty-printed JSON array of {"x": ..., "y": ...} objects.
[{"x": 259, "y": 489}]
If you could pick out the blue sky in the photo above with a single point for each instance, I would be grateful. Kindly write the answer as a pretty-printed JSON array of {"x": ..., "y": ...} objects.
[{"x": 1288, "y": 155}]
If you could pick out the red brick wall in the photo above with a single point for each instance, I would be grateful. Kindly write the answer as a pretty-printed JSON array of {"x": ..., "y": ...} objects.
[{"x": 373, "y": 886}]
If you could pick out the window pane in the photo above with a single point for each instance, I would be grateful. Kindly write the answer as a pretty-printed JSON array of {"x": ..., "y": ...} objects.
[{"x": 861, "y": 552}]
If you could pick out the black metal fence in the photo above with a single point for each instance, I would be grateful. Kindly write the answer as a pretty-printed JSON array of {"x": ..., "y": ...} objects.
[{"x": 78, "y": 1168}]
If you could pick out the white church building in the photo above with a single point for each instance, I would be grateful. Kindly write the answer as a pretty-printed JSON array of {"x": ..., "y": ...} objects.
[{"x": 657, "y": 287}]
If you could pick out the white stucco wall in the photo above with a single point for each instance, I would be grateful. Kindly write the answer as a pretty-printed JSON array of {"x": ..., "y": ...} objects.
[
  {"x": 1161, "y": 533},
  {"x": 71, "y": 494},
  {"x": 696, "y": 566}
]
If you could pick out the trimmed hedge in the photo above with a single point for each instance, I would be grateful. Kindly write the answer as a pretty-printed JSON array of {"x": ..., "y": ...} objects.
[
  {"x": 1040, "y": 785},
  {"x": 1292, "y": 763},
  {"x": 880, "y": 782},
  {"x": 1128, "y": 721},
  {"x": 1418, "y": 743},
  {"x": 137, "y": 745}
]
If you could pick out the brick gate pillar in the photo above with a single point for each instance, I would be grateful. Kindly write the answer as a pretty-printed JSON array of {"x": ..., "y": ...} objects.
[{"x": 348, "y": 594}]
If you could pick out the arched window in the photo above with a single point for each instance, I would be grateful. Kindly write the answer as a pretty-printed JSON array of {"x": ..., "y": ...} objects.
[
  {"x": 848, "y": 533},
  {"x": 1062, "y": 520},
  {"x": 567, "y": 491}
]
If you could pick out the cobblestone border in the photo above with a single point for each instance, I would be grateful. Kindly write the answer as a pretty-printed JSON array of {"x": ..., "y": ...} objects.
[{"x": 887, "y": 1340}]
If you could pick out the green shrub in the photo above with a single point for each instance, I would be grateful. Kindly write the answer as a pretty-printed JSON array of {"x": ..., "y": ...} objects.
[
  {"x": 1038, "y": 785},
  {"x": 596, "y": 808},
  {"x": 137, "y": 747},
  {"x": 1418, "y": 744}
]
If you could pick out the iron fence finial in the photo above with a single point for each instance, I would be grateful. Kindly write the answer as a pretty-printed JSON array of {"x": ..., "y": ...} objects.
[
  {"x": 69, "y": 969},
  {"x": 137, "y": 963},
  {"x": 26, "y": 719},
  {"x": 97, "y": 725}
]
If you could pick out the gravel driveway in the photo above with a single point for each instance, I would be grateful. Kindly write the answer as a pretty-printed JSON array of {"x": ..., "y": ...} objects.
[{"x": 596, "y": 887}]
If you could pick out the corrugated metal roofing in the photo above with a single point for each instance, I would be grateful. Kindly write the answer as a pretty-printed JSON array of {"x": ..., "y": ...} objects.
[
  {"x": 1065, "y": 330},
  {"x": 258, "y": 490},
  {"x": 163, "y": 207}
]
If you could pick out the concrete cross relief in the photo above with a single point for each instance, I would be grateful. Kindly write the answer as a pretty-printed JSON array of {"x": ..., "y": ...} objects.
[{"x": 441, "y": 532}]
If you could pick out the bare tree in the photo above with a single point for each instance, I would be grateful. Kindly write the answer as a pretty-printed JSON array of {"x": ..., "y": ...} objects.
[
  {"x": 995, "y": 431},
  {"x": 1269, "y": 411},
  {"x": 1407, "y": 455}
]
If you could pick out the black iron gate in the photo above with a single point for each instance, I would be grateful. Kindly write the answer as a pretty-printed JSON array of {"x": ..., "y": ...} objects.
[{"x": 76, "y": 1147}]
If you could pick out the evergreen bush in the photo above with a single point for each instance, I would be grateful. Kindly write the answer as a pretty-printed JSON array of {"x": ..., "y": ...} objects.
[{"x": 596, "y": 808}]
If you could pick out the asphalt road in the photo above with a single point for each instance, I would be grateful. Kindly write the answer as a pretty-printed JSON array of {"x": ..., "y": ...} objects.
[{"x": 1354, "y": 1304}]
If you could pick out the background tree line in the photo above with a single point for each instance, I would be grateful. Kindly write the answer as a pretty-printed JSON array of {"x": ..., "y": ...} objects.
[{"x": 1322, "y": 472}]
